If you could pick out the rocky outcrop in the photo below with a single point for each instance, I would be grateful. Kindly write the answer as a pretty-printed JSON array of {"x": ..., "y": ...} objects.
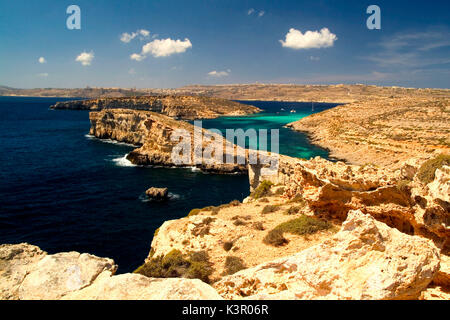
[
  {"x": 365, "y": 260},
  {"x": 157, "y": 193},
  {"x": 28, "y": 273},
  {"x": 397, "y": 198},
  {"x": 176, "y": 106},
  {"x": 157, "y": 137}
]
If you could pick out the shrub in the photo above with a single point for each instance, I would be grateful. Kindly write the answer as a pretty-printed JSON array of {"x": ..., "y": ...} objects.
[
  {"x": 175, "y": 265},
  {"x": 304, "y": 225},
  {"x": 427, "y": 171},
  {"x": 293, "y": 210},
  {"x": 239, "y": 222},
  {"x": 301, "y": 226},
  {"x": 258, "y": 226},
  {"x": 298, "y": 198},
  {"x": 275, "y": 238},
  {"x": 262, "y": 190},
  {"x": 269, "y": 209},
  {"x": 280, "y": 191},
  {"x": 233, "y": 265},
  {"x": 227, "y": 245}
]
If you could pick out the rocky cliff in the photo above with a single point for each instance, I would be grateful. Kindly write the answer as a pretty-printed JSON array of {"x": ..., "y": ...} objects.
[
  {"x": 157, "y": 135},
  {"x": 176, "y": 106}
]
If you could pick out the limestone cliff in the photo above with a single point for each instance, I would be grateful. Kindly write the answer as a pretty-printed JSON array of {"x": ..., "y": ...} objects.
[
  {"x": 156, "y": 136},
  {"x": 176, "y": 106}
]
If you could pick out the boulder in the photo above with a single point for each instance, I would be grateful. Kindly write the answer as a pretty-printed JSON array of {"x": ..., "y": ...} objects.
[
  {"x": 59, "y": 274},
  {"x": 157, "y": 193},
  {"x": 366, "y": 259},
  {"x": 16, "y": 261},
  {"x": 139, "y": 287}
]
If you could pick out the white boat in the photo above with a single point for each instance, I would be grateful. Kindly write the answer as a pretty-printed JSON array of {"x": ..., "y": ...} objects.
[{"x": 293, "y": 111}]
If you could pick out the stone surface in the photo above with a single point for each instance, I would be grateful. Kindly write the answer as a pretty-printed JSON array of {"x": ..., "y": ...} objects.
[
  {"x": 365, "y": 260},
  {"x": 157, "y": 193},
  {"x": 59, "y": 274},
  {"x": 440, "y": 187},
  {"x": 16, "y": 261},
  {"x": 138, "y": 287}
]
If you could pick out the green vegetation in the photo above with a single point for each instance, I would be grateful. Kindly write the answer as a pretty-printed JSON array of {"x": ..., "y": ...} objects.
[
  {"x": 428, "y": 169},
  {"x": 300, "y": 226},
  {"x": 262, "y": 190},
  {"x": 196, "y": 265},
  {"x": 403, "y": 186},
  {"x": 233, "y": 265}
]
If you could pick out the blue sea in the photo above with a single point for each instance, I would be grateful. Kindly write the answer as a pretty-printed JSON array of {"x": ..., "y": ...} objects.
[{"x": 64, "y": 190}]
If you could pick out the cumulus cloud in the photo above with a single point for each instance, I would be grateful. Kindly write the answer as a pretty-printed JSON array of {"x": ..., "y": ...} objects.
[
  {"x": 85, "y": 58},
  {"x": 42, "y": 60},
  {"x": 162, "y": 48},
  {"x": 219, "y": 74},
  {"x": 251, "y": 11},
  {"x": 261, "y": 13},
  {"x": 295, "y": 39},
  {"x": 127, "y": 37}
]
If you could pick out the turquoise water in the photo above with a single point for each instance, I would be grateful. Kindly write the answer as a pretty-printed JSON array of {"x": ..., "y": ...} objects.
[{"x": 275, "y": 116}]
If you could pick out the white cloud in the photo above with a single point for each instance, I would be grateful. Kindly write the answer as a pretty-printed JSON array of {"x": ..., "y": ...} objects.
[
  {"x": 127, "y": 37},
  {"x": 162, "y": 48},
  {"x": 42, "y": 60},
  {"x": 42, "y": 75},
  {"x": 313, "y": 58},
  {"x": 137, "y": 57},
  {"x": 219, "y": 74},
  {"x": 85, "y": 58},
  {"x": 261, "y": 13},
  {"x": 131, "y": 71},
  {"x": 295, "y": 39},
  {"x": 251, "y": 11}
]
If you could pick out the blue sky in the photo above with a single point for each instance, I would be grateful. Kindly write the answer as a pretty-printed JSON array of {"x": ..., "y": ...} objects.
[{"x": 226, "y": 41}]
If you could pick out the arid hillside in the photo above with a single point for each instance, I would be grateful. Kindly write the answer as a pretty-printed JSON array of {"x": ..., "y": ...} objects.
[{"x": 382, "y": 131}]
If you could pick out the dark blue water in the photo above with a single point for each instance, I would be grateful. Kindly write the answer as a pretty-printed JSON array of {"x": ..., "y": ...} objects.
[{"x": 64, "y": 191}]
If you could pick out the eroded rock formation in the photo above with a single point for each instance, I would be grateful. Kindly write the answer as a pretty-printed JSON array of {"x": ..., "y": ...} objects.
[
  {"x": 365, "y": 260},
  {"x": 157, "y": 135},
  {"x": 28, "y": 273}
]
